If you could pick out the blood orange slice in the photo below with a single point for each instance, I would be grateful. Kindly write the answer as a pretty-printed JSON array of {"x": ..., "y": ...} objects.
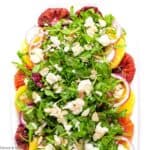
[
  {"x": 126, "y": 68},
  {"x": 87, "y": 8},
  {"x": 52, "y": 15}
]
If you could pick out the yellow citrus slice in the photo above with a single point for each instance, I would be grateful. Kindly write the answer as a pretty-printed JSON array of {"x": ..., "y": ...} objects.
[
  {"x": 26, "y": 58},
  {"x": 33, "y": 145},
  {"x": 21, "y": 98},
  {"x": 129, "y": 105},
  {"x": 119, "y": 47}
]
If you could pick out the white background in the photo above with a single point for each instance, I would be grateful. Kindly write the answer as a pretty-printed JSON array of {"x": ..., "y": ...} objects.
[{"x": 17, "y": 16}]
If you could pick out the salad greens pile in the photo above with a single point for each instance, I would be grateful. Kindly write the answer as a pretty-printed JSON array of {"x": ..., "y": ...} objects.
[{"x": 71, "y": 87}]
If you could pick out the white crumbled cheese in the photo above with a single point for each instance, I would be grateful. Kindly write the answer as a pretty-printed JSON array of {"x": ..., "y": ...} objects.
[
  {"x": 55, "y": 40},
  {"x": 89, "y": 22},
  {"x": 40, "y": 139},
  {"x": 36, "y": 55},
  {"x": 49, "y": 147},
  {"x": 36, "y": 97},
  {"x": 99, "y": 132},
  {"x": 111, "y": 55},
  {"x": 51, "y": 78},
  {"x": 60, "y": 140},
  {"x": 77, "y": 49},
  {"x": 99, "y": 93},
  {"x": 57, "y": 112},
  {"x": 102, "y": 23},
  {"x": 91, "y": 28},
  {"x": 57, "y": 139},
  {"x": 87, "y": 47},
  {"x": 67, "y": 127},
  {"x": 77, "y": 125},
  {"x": 119, "y": 90},
  {"x": 58, "y": 89},
  {"x": 89, "y": 146},
  {"x": 85, "y": 112},
  {"x": 75, "y": 106},
  {"x": 44, "y": 71},
  {"x": 91, "y": 31},
  {"x": 66, "y": 48},
  {"x": 93, "y": 74},
  {"x": 58, "y": 68},
  {"x": 39, "y": 130},
  {"x": 104, "y": 40},
  {"x": 95, "y": 117},
  {"x": 121, "y": 147},
  {"x": 85, "y": 86},
  {"x": 73, "y": 147}
]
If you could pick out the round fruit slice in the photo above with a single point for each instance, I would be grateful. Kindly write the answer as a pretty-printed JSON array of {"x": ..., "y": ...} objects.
[
  {"x": 121, "y": 92},
  {"x": 34, "y": 37},
  {"x": 33, "y": 145},
  {"x": 21, "y": 137},
  {"x": 21, "y": 98},
  {"x": 124, "y": 143},
  {"x": 126, "y": 68},
  {"x": 19, "y": 79},
  {"x": 52, "y": 15},
  {"x": 119, "y": 50},
  {"x": 128, "y": 127},
  {"x": 26, "y": 59},
  {"x": 87, "y": 8},
  {"x": 129, "y": 105}
]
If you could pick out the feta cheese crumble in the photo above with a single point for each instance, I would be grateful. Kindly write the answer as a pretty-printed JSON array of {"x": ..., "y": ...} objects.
[
  {"x": 51, "y": 78},
  {"x": 99, "y": 132},
  {"x": 55, "y": 40},
  {"x": 85, "y": 86},
  {"x": 44, "y": 71},
  {"x": 57, "y": 112},
  {"x": 89, "y": 146},
  {"x": 76, "y": 106},
  {"x": 95, "y": 117},
  {"x": 104, "y": 40},
  {"x": 36, "y": 97},
  {"x": 77, "y": 49},
  {"x": 89, "y": 22},
  {"x": 85, "y": 112},
  {"x": 102, "y": 23},
  {"x": 36, "y": 55},
  {"x": 49, "y": 147}
]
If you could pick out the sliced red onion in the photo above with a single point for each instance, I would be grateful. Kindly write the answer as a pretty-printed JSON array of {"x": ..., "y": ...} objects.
[
  {"x": 32, "y": 33},
  {"x": 127, "y": 90},
  {"x": 124, "y": 139},
  {"x": 21, "y": 119}
]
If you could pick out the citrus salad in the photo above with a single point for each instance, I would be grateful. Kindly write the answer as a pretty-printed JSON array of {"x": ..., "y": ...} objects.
[{"x": 73, "y": 83}]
